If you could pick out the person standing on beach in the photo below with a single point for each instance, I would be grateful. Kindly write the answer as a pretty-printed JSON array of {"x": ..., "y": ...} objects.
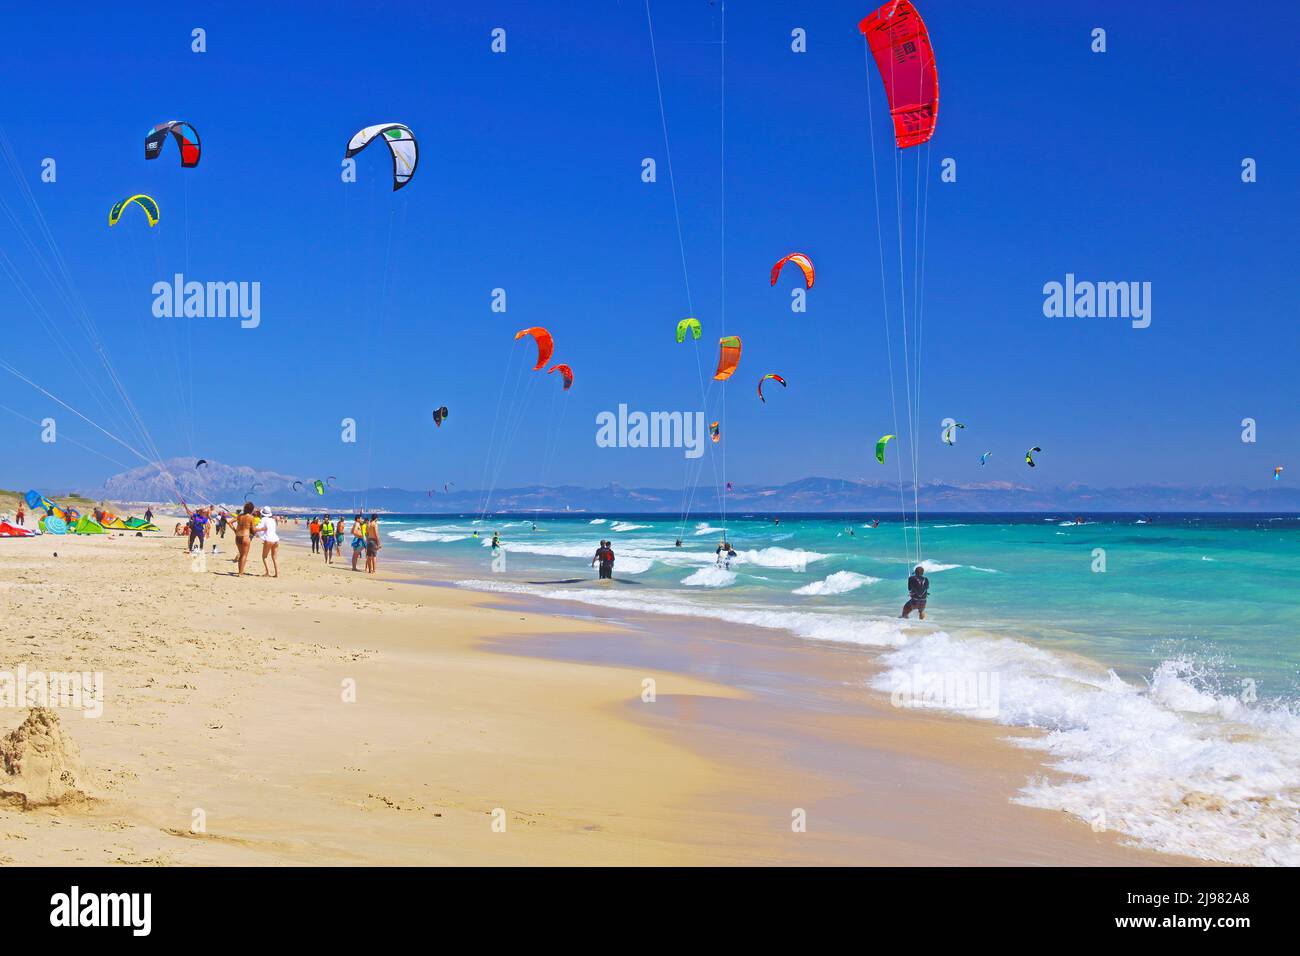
[
  {"x": 222, "y": 520},
  {"x": 244, "y": 525},
  {"x": 270, "y": 543},
  {"x": 314, "y": 528},
  {"x": 918, "y": 590},
  {"x": 148, "y": 515},
  {"x": 372, "y": 543},
  {"x": 21, "y": 514},
  {"x": 327, "y": 538},
  {"x": 340, "y": 533},
  {"x": 358, "y": 540},
  {"x": 198, "y": 529}
]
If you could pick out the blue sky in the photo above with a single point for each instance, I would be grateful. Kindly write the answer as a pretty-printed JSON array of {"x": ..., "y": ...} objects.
[{"x": 1116, "y": 166}]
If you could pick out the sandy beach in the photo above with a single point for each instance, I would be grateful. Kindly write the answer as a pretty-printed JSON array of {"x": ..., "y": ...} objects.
[{"x": 330, "y": 718}]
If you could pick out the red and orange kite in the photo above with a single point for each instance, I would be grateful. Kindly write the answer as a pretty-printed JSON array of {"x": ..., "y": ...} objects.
[
  {"x": 799, "y": 259},
  {"x": 545, "y": 346},
  {"x": 901, "y": 45},
  {"x": 728, "y": 357},
  {"x": 566, "y": 373}
]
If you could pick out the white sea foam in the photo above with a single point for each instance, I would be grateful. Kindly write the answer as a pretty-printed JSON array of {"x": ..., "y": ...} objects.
[
  {"x": 596, "y": 521},
  {"x": 626, "y": 556},
  {"x": 812, "y": 625},
  {"x": 794, "y": 560},
  {"x": 841, "y": 582},
  {"x": 1174, "y": 767},
  {"x": 934, "y": 567},
  {"x": 425, "y": 535},
  {"x": 623, "y": 564},
  {"x": 626, "y": 526},
  {"x": 985, "y": 570},
  {"x": 710, "y": 578}
]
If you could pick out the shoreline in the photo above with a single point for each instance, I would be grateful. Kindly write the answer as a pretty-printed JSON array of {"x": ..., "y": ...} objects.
[
  {"x": 840, "y": 738},
  {"x": 224, "y": 698}
]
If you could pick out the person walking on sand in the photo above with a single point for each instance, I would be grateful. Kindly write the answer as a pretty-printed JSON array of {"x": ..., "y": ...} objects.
[
  {"x": 372, "y": 543},
  {"x": 244, "y": 525},
  {"x": 21, "y": 514},
  {"x": 148, "y": 515},
  {"x": 270, "y": 536},
  {"x": 358, "y": 540},
  {"x": 340, "y": 534},
  {"x": 327, "y": 538},
  {"x": 918, "y": 590},
  {"x": 314, "y": 528},
  {"x": 198, "y": 529}
]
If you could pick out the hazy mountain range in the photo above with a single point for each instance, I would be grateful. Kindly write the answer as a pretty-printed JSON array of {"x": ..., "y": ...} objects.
[{"x": 226, "y": 484}]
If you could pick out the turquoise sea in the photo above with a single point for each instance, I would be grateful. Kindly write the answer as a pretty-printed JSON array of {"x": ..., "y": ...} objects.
[{"x": 1159, "y": 653}]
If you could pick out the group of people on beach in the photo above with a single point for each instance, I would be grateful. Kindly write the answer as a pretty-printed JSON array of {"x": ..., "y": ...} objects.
[
  {"x": 251, "y": 522},
  {"x": 327, "y": 537}
]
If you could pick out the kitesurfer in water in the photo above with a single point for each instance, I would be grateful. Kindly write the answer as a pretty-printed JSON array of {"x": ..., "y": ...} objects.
[
  {"x": 496, "y": 540},
  {"x": 918, "y": 589}
]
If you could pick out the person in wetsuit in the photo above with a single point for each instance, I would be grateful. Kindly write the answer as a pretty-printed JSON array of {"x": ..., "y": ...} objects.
[{"x": 918, "y": 589}]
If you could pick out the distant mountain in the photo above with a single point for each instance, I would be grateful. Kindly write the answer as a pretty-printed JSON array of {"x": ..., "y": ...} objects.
[
  {"x": 211, "y": 482},
  {"x": 226, "y": 484}
]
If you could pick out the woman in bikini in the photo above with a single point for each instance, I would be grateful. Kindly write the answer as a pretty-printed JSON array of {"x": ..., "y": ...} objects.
[{"x": 244, "y": 525}]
